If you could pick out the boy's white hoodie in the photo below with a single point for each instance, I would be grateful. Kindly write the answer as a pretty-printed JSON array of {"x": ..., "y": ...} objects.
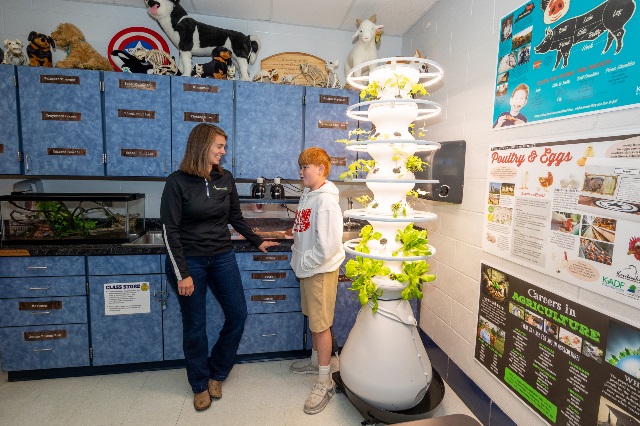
[{"x": 317, "y": 232}]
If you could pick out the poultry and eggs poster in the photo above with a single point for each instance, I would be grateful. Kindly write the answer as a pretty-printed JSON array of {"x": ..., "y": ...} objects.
[
  {"x": 571, "y": 364},
  {"x": 569, "y": 209},
  {"x": 560, "y": 58}
]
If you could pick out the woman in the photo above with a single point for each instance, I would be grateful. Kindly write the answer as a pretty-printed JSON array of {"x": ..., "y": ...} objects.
[{"x": 198, "y": 202}]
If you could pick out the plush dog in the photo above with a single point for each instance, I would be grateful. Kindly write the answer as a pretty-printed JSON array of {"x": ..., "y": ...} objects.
[
  {"x": 14, "y": 54},
  {"x": 80, "y": 54},
  {"x": 196, "y": 38},
  {"x": 39, "y": 50},
  {"x": 219, "y": 66},
  {"x": 1, "y": 56}
]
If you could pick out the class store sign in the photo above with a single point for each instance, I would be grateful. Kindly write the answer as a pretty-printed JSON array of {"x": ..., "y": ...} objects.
[{"x": 558, "y": 59}]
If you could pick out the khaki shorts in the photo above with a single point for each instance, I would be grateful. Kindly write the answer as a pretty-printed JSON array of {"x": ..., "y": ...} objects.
[{"x": 318, "y": 299}]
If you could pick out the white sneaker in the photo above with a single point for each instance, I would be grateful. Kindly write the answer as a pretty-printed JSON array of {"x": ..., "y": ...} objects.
[
  {"x": 304, "y": 366},
  {"x": 319, "y": 398}
]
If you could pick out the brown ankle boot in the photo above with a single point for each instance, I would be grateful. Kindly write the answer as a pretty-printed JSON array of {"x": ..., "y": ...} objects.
[
  {"x": 215, "y": 389},
  {"x": 202, "y": 400}
]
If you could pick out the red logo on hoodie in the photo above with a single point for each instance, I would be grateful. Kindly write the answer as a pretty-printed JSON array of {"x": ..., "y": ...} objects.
[{"x": 302, "y": 220}]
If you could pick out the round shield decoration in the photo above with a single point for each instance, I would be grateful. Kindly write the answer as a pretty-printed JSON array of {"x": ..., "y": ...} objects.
[{"x": 130, "y": 38}]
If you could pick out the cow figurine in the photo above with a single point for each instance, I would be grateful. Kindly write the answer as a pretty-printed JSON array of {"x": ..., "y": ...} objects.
[{"x": 610, "y": 17}]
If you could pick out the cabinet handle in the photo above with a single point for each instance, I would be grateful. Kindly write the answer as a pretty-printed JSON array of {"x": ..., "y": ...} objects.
[
  {"x": 269, "y": 261},
  {"x": 269, "y": 281},
  {"x": 43, "y": 349},
  {"x": 269, "y": 302},
  {"x": 37, "y": 267},
  {"x": 40, "y": 312},
  {"x": 39, "y": 288},
  {"x": 269, "y": 335},
  {"x": 165, "y": 164},
  {"x": 26, "y": 163}
]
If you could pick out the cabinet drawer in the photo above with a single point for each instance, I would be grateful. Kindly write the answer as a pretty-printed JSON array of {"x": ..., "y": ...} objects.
[
  {"x": 42, "y": 287},
  {"x": 41, "y": 266},
  {"x": 36, "y": 311},
  {"x": 52, "y": 346},
  {"x": 264, "y": 301},
  {"x": 272, "y": 333},
  {"x": 126, "y": 264},
  {"x": 263, "y": 262},
  {"x": 269, "y": 279}
]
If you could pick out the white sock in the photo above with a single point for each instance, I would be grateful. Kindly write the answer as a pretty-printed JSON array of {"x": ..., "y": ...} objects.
[
  {"x": 323, "y": 374},
  {"x": 314, "y": 357}
]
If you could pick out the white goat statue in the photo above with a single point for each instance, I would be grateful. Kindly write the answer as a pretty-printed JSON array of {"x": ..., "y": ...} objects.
[{"x": 365, "y": 48}]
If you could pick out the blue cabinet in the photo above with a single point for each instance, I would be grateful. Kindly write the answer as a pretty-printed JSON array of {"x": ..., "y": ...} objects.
[
  {"x": 61, "y": 118},
  {"x": 126, "y": 316},
  {"x": 43, "y": 313},
  {"x": 200, "y": 100},
  {"x": 325, "y": 121},
  {"x": 269, "y": 130},
  {"x": 137, "y": 124},
  {"x": 9, "y": 138}
]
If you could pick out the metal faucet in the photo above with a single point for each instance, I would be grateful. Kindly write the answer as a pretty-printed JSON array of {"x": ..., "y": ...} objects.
[{"x": 348, "y": 224}]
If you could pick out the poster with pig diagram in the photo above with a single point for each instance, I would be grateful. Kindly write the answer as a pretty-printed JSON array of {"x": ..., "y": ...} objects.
[
  {"x": 569, "y": 209},
  {"x": 560, "y": 58}
]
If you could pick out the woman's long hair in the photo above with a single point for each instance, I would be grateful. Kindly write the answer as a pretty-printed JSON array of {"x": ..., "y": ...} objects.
[{"x": 198, "y": 144}]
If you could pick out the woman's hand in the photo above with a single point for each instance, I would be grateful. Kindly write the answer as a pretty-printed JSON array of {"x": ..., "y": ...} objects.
[
  {"x": 185, "y": 287},
  {"x": 266, "y": 244}
]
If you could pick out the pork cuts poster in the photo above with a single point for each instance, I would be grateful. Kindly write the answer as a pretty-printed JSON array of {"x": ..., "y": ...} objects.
[
  {"x": 572, "y": 365},
  {"x": 559, "y": 58},
  {"x": 569, "y": 209}
]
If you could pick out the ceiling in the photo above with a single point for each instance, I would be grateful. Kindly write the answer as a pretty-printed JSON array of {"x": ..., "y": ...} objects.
[{"x": 397, "y": 16}]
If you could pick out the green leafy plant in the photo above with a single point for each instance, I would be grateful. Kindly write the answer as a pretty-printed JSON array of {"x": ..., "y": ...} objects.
[
  {"x": 414, "y": 242},
  {"x": 415, "y": 164},
  {"x": 356, "y": 167},
  {"x": 356, "y": 132},
  {"x": 414, "y": 274},
  {"x": 399, "y": 207},
  {"x": 62, "y": 221},
  {"x": 362, "y": 270},
  {"x": 366, "y": 234},
  {"x": 371, "y": 91},
  {"x": 365, "y": 200}
]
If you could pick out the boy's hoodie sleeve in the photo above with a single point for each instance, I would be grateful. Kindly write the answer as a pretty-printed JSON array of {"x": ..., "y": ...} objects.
[{"x": 170, "y": 216}]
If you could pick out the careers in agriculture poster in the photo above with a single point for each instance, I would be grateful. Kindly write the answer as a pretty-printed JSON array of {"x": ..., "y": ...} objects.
[
  {"x": 559, "y": 58},
  {"x": 571, "y": 364}
]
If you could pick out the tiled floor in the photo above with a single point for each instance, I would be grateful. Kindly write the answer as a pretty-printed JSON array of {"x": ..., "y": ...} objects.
[{"x": 261, "y": 393}]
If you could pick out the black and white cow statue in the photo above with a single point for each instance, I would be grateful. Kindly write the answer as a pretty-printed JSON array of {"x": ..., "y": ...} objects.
[{"x": 610, "y": 17}]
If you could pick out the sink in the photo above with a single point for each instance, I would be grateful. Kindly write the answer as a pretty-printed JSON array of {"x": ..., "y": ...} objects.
[
  {"x": 148, "y": 239},
  {"x": 350, "y": 235}
]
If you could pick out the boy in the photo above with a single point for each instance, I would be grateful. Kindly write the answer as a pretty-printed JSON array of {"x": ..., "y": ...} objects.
[
  {"x": 317, "y": 254},
  {"x": 518, "y": 100}
]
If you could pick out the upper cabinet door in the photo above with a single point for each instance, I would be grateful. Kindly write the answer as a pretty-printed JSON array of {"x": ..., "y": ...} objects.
[
  {"x": 137, "y": 124},
  {"x": 9, "y": 139},
  {"x": 325, "y": 121},
  {"x": 268, "y": 134},
  {"x": 61, "y": 121},
  {"x": 200, "y": 100}
]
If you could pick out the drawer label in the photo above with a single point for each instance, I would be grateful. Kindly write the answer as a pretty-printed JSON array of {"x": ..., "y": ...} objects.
[
  {"x": 268, "y": 297},
  {"x": 39, "y": 306},
  {"x": 61, "y": 116},
  {"x": 332, "y": 99},
  {"x": 268, "y": 275},
  {"x": 59, "y": 79},
  {"x": 137, "y": 85},
  {"x": 14, "y": 252},
  {"x": 324, "y": 124},
  {"x": 269, "y": 257},
  {"x": 201, "y": 117},
  {"x": 1, "y": 148},
  {"x": 30, "y": 336},
  {"x": 343, "y": 278},
  {"x": 81, "y": 152},
  {"x": 136, "y": 113},
  {"x": 200, "y": 88},
  {"x": 338, "y": 161},
  {"x": 132, "y": 152}
]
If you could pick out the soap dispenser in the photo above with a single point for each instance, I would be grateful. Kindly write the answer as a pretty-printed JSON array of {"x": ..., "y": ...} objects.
[{"x": 277, "y": 190}]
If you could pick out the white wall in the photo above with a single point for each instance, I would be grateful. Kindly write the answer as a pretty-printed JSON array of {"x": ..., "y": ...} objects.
[{"x": 462, "y": 36}]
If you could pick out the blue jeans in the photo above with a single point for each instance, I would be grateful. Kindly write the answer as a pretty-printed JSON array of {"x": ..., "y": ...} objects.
[{"x": 221, "y": 274}]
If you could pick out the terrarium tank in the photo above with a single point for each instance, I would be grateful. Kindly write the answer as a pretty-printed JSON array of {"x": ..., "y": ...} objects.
[{"x": 71, "y": 218}]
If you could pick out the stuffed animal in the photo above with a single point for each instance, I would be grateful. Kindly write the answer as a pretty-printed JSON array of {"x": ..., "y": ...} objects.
[
  {"x": 267, "y": 76},
  {"x": 80, "y": 54},
  {"x": 365, "y": 47},
  {"x": 332, "y": 77},
  {"x": 196, "y": 38},
  {"x": 14, "y": 54},
  {"x": 39, "y": 50},
  {"x": 1, "y": 56},
  {"x": 162, "y": 63},
  {"x": 133, "y": 64},
  {"x": 231, "y": 72},
  {"x": 219, "y": 66}
]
